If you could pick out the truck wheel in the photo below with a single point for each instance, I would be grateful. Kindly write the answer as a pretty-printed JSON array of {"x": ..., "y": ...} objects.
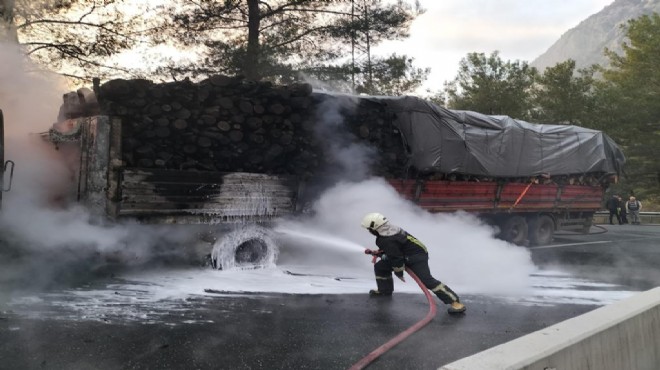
[
  {"x": 541, "y": 230},
  {"x": 514, "y": 230},
  {"x": 248, "y": 246}
]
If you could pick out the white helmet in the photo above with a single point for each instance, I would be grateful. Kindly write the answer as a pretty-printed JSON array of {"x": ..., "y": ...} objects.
[{"x": 373, "y": 221}]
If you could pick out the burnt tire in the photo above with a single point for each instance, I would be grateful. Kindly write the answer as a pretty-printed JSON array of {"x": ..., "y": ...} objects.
[
  {"x": 541, "y": 230},
  {"x": 248, "y": 246},
  {"x": 514, "y": 230}
]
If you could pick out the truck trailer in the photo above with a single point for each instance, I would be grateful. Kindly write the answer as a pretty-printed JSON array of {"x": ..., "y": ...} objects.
[{"x": 528, "y": 180}]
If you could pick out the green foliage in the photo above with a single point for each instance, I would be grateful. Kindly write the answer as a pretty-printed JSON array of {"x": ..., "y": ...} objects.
[
  {"x": 393, "y": 75},
  {"x": 279, "y": 40},
  {"x": 637, "y": 72},
  {"x": 629, "y": 105},
  {"x": 564, "y": 95},
  {"x": 73, "y": 37},
  {"x": 487, "y": 84}
]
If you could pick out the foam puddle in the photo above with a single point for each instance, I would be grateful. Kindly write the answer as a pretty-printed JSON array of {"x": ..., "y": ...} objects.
[{"x": 170, "y": 296}]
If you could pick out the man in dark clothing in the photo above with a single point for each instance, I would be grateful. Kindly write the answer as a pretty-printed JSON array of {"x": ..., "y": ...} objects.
[
  {"x": 397, "y": 250},
  {"x": 614, "y": 206},
  {"x": 623, "y": 211}
]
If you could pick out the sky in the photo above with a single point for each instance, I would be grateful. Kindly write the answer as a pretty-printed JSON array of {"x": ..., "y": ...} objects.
[{"x": 518, "y": 29}]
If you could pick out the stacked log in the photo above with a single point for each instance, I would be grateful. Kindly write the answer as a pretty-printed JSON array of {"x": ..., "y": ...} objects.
[
  {"x": 367, "y": 123},
  {"x": 229, "y": 124}
]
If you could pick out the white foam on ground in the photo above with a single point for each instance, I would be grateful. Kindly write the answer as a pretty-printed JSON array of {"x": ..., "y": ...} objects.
[{"x": 157, "y": 295}]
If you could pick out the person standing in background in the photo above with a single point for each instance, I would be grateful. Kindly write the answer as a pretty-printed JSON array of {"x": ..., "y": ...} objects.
[
  {"x": 623, "y": 211},
  {"x": 634, "y": 206},
  {"x": 613, "y": 206}
]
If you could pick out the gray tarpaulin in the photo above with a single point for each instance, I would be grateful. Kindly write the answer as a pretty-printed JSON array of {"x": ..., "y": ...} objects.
[{"x": 451, "y": 141}]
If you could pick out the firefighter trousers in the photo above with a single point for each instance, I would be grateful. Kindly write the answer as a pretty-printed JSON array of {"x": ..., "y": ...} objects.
[{"x": 419, "y": 264}]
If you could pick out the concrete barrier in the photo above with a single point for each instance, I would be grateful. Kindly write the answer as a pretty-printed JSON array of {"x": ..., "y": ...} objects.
[{"x": 623, "y": 335}]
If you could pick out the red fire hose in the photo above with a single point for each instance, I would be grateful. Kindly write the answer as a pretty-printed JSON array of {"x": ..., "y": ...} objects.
[{"x": 404, "y": 334}]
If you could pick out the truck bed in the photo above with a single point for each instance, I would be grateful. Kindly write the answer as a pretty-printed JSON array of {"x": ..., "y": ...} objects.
[{"x": 488, "y": 197}]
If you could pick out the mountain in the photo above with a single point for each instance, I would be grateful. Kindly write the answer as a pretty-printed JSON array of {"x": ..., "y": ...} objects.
[{"x": 586, "y": 42}]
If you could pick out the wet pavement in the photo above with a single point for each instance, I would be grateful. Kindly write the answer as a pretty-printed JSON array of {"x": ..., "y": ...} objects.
[
  {"x": 272, "y": 332},
  {"x": 55, "y": 330}
]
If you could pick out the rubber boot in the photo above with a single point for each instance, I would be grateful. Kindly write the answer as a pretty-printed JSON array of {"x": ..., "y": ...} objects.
[
  {"x": 376, "y": 293},
  {"x": 456, "y": 307}
]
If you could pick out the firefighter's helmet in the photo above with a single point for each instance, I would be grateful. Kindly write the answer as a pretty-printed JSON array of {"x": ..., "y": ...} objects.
[{"x": 373, "y": 221}]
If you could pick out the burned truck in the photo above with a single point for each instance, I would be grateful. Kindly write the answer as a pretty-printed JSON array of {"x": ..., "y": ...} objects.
[
  {"x": 6, "y": 166},
  {"x": 227, "y": 150}
]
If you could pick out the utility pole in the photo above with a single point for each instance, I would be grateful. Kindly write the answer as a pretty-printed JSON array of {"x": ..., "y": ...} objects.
[
  {"x": 368, "y": 38},
  {"x": 353, "y": 46},
  {"x": 361, "y": 44}
]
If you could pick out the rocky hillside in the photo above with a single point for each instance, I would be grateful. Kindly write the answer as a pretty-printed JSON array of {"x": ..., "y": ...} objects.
[{"x": 586, "y": 42}]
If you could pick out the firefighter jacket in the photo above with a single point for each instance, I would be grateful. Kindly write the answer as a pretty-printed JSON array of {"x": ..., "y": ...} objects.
[{"x": 397, "y": 244}]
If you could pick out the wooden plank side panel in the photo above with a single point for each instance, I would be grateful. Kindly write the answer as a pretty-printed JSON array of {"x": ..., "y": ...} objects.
[
  {"x": 452, "y": 196},
  {"x": 534, "y": 197},
  {"x": 447, "y": 196},
  {"x": 136, "y": 175},
  {"x": 406, "y": 188},
  {"x": 94, "y": 163},
  {"x": 588, "y": 198},
  {"x": 114, "y": 169},
  {"x": 198, "y": 197},
  {"x": 225, "y": 204},
  {"x": 198, "y": 189}
]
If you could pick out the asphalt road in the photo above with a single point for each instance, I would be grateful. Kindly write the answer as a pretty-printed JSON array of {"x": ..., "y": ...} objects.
[
  {"x": 620, "y": 254},
  {"x": 279, "y": 331}
]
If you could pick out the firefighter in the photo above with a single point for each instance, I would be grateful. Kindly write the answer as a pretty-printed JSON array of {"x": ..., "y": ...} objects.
[{"x": 397, "y": 250}]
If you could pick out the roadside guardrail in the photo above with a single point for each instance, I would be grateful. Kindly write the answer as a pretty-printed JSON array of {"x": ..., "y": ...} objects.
[{"x": 646, "y": 218}]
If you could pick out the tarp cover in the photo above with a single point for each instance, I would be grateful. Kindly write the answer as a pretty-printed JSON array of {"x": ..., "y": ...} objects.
[{"x": 451, "y": 141}]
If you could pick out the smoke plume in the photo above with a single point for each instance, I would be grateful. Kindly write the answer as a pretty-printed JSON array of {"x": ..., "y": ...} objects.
[
  {"x": 463, "y": 251},
  {"x": 46, "y": 237}
]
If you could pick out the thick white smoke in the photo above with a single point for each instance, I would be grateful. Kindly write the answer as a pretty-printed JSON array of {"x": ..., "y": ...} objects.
[
  {"x": 463, "y": 252},
  {"x": 44, "y": 233},
  {"x": 349, "y": 159},
  {"x": 29, "y": 100}
]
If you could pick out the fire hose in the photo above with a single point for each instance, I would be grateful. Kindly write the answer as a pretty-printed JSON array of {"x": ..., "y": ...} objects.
[{"x": 366, "y": 360}]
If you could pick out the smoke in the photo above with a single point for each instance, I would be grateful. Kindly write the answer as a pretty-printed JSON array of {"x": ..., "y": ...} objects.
[
  {"x": 463, "y": 251},
  {"x": 45, "y": 236},
  {"x": 348, "y": 158}
]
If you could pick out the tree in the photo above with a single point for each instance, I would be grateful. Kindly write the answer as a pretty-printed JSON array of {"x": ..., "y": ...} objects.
[
  {"x": 491, "y": 86},
  {"x": 393, "y": 75},
  {"x": 371, "y": 23},
  {"x": 628, "y": 99},
  {"x": 278, "y": 40},
  {"x": 73, "y": 37},
  {"x": 564, "y": 95},
  {"x": 636, "y": 71},
  {"x": 390, "y": 75},
  {"x": 7, "y": 29}
]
